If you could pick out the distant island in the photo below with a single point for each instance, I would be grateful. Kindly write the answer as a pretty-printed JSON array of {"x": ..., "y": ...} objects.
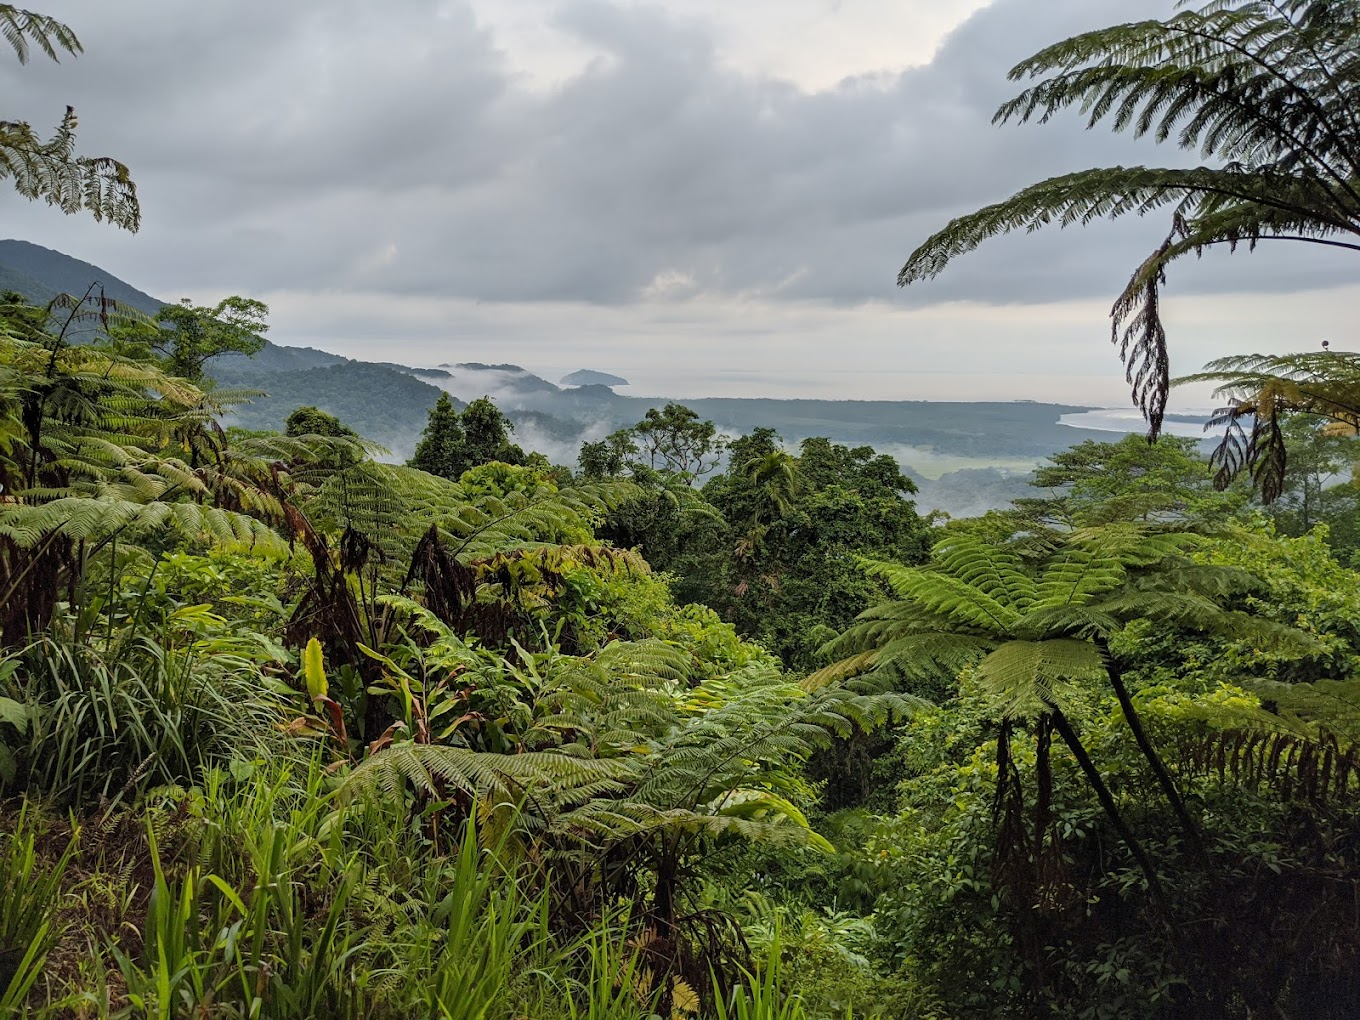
[{"x": 589, "y": 377}]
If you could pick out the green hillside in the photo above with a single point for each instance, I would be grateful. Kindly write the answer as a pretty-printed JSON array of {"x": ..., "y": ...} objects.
[
  {"x": 380, "y": 403},
  {"x": 41, "y": 273}
]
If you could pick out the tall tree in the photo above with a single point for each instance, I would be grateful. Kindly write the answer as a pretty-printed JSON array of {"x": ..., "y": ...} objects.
[
  {"x": 675, "y": 439},
  {"x": 183, "y": 338},
  {"x": 1266, "y": 91},
  {"x": 440, "y": 450},
  {"x": 797, "y": 526},
  {"x": 672, "y": 440},
  {"x": 486, "y": 435},
  {"x": 608, "y": 457},
  {"x": 1132, "y": 479},
  {"x": 1319, "y": 461},
  {"x": 452, "y": 442},
  {"x": 49, "y": 169}
]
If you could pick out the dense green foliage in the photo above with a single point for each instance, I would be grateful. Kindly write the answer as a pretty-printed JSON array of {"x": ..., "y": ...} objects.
[
  {"x": 183, "y": 338},
  {"x": 312, "y": 421},
  {"x": 288, "y": 731},
  {"x": 455, "y": 441},
  {"x": 717, "y": 728}
]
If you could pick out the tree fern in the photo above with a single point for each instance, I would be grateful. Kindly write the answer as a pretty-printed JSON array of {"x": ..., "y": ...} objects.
[
  {"x": 1033, "y": 654},
  {"x": 1261, "y": 390},
  {"x": 104, "y": 449},
  {"x": 1266, "y": 92},
  {"x": 1028, "y": 679},
  {"x": 49, "y": 169}
]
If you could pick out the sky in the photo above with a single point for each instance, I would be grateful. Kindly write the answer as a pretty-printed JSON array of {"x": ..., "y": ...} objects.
[{"x": 708, "y": 197}]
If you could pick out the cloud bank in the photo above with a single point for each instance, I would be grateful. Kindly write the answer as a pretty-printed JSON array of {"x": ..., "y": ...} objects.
[{"x": 668, "y": 190}]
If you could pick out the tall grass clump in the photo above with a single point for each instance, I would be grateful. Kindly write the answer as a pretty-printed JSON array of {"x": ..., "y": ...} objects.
[
  {"x": 103, "y": 720},
  {"x": 30, "y": 893}
]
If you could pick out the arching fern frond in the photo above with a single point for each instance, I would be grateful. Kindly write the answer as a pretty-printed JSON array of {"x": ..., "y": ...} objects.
[
  {"x": 1075, "y": 576},
  {"x": 49, "y": 169},
  {"x": 437, "y": 770},
  {"x": 95, "y": 521},
  {"x": 1027, "y": 679},
  {"x": 1266, "y": 92},
  {"x": 997, "y": 571},
  {"x": 946, "y": 595},
  {"x": 22, "y": 28},
  {"x": 1303, "y": 741},
  {"x": 1261, "y": 391}
]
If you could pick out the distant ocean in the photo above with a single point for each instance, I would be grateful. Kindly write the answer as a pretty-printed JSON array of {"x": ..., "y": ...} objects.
[{"x": 1122, "y": 419}]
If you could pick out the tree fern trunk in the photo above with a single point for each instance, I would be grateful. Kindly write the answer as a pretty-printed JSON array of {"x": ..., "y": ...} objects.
[
  {"x": 1159, "y": 769},
  {"x": 1088, "y": 768},
  {"x": 667, "y": 950}
]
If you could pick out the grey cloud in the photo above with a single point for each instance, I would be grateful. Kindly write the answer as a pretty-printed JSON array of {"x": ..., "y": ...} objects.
[{"x": 345, "y": 144}]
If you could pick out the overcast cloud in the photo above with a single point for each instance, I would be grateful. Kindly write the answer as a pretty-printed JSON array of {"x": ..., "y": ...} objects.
[{"x": 705, "y": 196}]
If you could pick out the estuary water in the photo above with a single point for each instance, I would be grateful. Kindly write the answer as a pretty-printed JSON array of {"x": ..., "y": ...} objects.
[{"x": 1126, "y": 419}]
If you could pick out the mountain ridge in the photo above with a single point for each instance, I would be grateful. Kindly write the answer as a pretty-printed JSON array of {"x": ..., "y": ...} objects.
[
  {"x": 56, "y": 272},
  {"x": 996, "y": 442},
  {"x": 590, "y": 377}
]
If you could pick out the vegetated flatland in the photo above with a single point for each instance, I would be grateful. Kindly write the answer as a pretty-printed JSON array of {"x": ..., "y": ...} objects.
[{"x": 940, "y": 436}]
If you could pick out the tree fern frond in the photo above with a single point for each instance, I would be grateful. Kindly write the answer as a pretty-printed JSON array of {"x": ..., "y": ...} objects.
[
  {"x": 841, "y": 670},
  {"x": 1261, "y": 390},
  {"x": 49, "y": 169},
  {"x": 1075, "y": 576},
  {"x": 21, "y": 28},
  {"x": 1026, "y": 679},
  {"x": 999, "y": 572},
  {"x": 96, "y": 520},
  {"x": 1085, "y": 622},
  {"x": 1265, "y": 91},
  {"x": 946, "y": 595},
  {"x": 1322, "y": 707},
  {"x": 434, "y": 769}
]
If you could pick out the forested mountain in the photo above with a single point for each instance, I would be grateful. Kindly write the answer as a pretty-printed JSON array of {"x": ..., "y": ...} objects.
[
  {"x": 384, "y": 401},
  {"x": 590, "y": 377},
  {"x": 40, "y": 274}
]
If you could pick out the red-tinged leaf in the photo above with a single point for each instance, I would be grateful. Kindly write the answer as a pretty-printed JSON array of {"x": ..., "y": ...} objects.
[
  {"x": 336, "y": 716},
  {"x": 386, "y": 738}
]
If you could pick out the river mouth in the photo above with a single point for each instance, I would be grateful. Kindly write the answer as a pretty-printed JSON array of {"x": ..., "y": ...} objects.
[{"x": 1125, "y": 419}]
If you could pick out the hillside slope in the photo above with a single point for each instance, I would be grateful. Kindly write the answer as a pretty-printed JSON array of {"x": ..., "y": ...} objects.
[
  {"x": 384, "y": 402},
  {"x": 40, "y": 274}
]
